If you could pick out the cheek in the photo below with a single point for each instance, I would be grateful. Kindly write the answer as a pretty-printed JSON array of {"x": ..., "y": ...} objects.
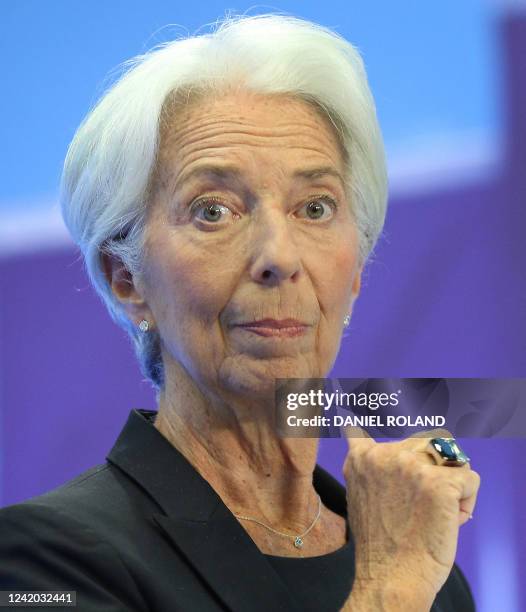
[
  {"x": 337, "y": 271},
  {"x": 347, "y": 262},
  {"x": 185, "y": 284}
]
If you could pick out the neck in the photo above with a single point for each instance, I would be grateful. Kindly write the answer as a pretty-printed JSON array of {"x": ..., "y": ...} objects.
[{"x": 231, "y": 442}]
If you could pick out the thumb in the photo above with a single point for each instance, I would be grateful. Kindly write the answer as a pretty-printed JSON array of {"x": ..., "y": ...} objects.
[
  {"x": 359, "y": 443},
  {"x": 356, "y": 436}
]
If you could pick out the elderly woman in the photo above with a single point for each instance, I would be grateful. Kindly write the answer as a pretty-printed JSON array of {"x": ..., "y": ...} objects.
[{"x": 226, "y": 193}]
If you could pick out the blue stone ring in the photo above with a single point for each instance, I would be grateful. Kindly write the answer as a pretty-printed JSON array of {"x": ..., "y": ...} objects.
[{"x": 446, "y": 451}]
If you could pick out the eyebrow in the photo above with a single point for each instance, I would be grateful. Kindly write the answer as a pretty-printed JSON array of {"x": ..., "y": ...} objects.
[
  {"x": 230, "y": 171},
  {"x": 314, "y": 173}
]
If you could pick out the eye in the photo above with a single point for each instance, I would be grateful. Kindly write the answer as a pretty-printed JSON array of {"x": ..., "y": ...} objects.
[
  {"x": 209, "y": 209},
  {"x": 320, "y": 207}
]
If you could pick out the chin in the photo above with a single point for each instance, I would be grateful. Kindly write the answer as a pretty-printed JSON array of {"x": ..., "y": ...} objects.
[{"x": 257, "y": 378}]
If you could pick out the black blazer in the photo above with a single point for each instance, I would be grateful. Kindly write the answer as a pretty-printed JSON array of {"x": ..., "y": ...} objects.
[{"x": 145, "y": 531}]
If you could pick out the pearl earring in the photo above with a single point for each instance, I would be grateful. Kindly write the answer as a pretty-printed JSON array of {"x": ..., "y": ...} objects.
[
  {"x": 144, "y": 326},
  {"x": 347, "y": 320}
]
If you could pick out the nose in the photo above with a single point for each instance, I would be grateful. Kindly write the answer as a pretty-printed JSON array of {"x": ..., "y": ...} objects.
[{"x": 276, "y": 257}]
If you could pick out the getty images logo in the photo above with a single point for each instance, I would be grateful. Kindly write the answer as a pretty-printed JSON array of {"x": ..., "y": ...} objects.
[{"x": 322, "y": 399}]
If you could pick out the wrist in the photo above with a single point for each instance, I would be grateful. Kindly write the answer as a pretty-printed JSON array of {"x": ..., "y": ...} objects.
[{"x": 387, "y": 596}]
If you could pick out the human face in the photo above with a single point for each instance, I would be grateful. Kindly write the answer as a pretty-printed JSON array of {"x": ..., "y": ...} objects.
[{"x": 250, "y": 220}]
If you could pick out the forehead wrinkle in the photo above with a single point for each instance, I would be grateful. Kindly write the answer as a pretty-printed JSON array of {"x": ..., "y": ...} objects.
[
  {"x": 198, "y": 128},
  {"x": 201, "y": 144},
  {"x": 219, "y": 151},
  {"x": 189, "y": 149},
  {"x": 191, "y": 136},
  {"x": 224, "y": 107},
  {"x": 254, "y": 136},
  {"x": 188, "y": 124},
  {"x": 172, "y": 170},
  {"x": 183, "y": 125},
  {"x": 227, "y": 112}
]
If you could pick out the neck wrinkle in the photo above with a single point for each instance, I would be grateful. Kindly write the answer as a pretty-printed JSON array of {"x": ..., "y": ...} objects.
[{"x": 255, "y": 472}]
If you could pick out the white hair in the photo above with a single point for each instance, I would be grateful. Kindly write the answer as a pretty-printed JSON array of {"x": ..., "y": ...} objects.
[{"x": 112, "y": 158}]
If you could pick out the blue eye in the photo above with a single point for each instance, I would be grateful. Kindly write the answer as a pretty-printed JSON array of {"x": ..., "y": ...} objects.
[
  {"x": 317, "y": 206},
  {"x": 211, "y": 208}
]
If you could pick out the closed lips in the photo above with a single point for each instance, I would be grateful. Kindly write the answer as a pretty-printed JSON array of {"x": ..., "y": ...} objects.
[
  {"x": 273, "y": 323},
  {"x": 271, "y": 328}
]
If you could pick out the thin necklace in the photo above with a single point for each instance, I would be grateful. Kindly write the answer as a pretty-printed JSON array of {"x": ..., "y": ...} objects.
[{"x": 297, "y": 539}]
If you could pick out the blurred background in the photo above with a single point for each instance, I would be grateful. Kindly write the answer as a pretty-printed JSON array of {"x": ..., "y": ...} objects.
[{"x": 444, "y": 297}]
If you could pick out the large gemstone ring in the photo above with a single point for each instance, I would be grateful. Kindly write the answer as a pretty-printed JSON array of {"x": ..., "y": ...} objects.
[{"x": 446, "y": 451}]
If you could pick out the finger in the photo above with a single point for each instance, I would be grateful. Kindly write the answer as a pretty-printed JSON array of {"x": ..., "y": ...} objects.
[
  {"x": 455, "y": 457},
  {"x": 432, "y": 433},
  {"x": 424, "y": 456},
  {"x": 466, "y": 483},
  {"x": 467, "y": 506},
  {"x": 420, "y": 444},
  {"x": 418, "y": 441},
  {"x": 464, "y": 516},
  {"x": 359, "y": 437}
]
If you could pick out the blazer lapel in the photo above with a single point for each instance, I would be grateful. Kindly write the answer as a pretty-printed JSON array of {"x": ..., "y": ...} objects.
[
  {"x": 197, "y": 521},
  {"x": 230, "y": 562}
]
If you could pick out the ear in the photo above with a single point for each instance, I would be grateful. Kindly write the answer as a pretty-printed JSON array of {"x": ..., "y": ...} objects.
[
  {"x": 356, "y": 285},
  {"x": 125, "y": 288}
]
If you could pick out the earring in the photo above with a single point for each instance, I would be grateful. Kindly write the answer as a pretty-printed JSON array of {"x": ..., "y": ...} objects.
[
  {"x": 346, "y": 320},
  {"x": 144, "y": 326}
]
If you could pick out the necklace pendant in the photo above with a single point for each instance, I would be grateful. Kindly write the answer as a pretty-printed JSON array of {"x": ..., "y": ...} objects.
[{"x": 298, "y": 542}]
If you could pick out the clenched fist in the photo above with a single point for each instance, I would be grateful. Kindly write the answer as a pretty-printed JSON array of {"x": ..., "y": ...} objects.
[{"x": 405, "y": 512}]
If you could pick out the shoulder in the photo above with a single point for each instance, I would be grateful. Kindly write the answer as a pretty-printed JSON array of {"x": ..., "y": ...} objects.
[
  {"x": 101, "y": 498},
  {"x": 62, "y": 541},
  {"x": 61, "y": 505}
]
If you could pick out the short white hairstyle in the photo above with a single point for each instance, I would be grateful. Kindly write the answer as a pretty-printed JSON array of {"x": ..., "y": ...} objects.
[{"x": 112, "y": 158}]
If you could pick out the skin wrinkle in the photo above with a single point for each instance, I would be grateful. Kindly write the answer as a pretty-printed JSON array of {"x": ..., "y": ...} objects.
[
  {"x": 291, "y": 127},
  {"x": 230, "y": 173},
  {"x": 209, "y": 151},
  {"x": 243, "y": 128},
  {"x": 217, "y": 406}
]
